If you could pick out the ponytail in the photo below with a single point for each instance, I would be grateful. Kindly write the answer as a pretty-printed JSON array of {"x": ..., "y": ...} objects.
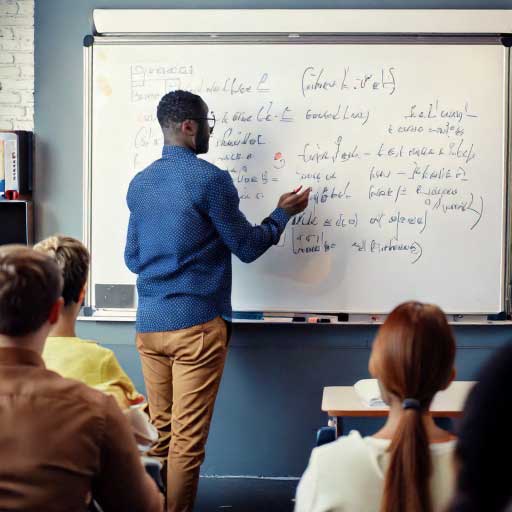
[
  {"x": 412, "y": 357},
  {"x": 407, "y": 482}
]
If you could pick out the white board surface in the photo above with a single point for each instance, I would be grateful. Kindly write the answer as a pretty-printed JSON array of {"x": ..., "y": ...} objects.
[{"x": 403, "y": 145}]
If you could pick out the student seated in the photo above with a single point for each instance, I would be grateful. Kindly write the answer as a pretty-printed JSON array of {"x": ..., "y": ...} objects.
[
  {"x": 482, "y": 485},
  {"x": 60, "y": 440},
  {"x": 64, "y": 352},
  {"x": 407, "y": 466},
  {"x": 86, "y": 361}
]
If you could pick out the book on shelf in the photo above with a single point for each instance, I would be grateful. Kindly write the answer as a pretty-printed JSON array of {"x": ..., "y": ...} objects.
[{"x": 16, "y": 161}]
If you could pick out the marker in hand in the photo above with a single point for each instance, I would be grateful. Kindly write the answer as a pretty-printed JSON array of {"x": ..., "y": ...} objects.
[{"x": 293, "y": 202}]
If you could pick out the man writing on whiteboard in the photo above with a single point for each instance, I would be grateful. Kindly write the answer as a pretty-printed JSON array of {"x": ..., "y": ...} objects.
[{"x": 184, "y": 225}]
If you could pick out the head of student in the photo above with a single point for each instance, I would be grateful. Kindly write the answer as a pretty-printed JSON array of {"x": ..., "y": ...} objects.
[
  {"x": 72, "y": 258},
  {"x": 30, "y": 296},
  {"x": 185, "y": 120},
  {"x": 483, "y": 440},
  {"x": 412, "y": 358}
]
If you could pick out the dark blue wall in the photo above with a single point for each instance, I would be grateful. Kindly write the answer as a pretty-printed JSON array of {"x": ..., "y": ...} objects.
[{"x": 269, "y": 401}]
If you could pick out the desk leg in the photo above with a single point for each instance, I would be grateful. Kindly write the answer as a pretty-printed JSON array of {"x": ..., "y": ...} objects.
[{"x": 337, "y": 423}]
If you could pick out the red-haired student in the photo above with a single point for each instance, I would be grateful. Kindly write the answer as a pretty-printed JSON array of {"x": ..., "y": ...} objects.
[{"x": 407, "y": 466}]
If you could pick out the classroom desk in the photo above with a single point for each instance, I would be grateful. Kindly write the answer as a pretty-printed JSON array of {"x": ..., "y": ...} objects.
[{"x": 342, "y": 401}]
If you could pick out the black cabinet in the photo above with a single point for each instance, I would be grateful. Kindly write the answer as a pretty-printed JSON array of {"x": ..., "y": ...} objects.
[{"x": 16, "y": 222}]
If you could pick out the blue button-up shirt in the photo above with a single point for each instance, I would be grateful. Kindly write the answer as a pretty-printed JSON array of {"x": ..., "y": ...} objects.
[{"x": 184, "y": 224}]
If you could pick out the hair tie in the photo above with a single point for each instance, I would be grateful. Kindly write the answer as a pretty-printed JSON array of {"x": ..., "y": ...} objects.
[{"x": 411, "y": 403}]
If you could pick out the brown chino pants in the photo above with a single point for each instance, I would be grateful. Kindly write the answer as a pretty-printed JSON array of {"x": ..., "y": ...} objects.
[{"x": 182, "y": 371}]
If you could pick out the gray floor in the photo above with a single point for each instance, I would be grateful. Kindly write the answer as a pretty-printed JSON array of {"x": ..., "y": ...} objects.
[{"x": 245, "y": 495}]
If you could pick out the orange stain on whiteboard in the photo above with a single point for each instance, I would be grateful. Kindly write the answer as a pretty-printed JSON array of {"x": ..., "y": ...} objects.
[{"x": 104, "y": 86}]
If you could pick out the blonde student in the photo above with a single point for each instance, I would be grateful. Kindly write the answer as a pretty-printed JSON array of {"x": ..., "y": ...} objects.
[
  {"x": 66, "y": 353},
  {"x": 407, "y": 466}
]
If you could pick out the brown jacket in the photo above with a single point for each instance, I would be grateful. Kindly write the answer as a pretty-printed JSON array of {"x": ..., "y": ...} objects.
[{"x": 60, "y": 441}]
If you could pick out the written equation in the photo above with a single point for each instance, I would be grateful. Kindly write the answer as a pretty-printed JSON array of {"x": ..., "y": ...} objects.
[{"x": 387, "y": 170}]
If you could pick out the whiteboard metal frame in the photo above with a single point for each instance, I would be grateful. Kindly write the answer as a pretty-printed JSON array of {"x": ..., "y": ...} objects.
[
  {"x": 128, "y": 315},
  {"x": 304, "y": 38},
  {"x": 507, "y": 190},
  {"x": 87, "y": 163}
]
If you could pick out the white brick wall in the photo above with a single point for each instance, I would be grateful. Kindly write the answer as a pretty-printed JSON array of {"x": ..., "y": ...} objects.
[{"x": 17, "y": 64}]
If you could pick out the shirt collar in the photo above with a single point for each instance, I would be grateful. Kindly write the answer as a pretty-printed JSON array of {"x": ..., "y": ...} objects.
[
  {"x": 176, "y": 151},
  {"x": 11, "y": 356}
]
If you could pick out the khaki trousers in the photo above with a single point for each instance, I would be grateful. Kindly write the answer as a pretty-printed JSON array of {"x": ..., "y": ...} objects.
[{"x": 182, "y": 371}]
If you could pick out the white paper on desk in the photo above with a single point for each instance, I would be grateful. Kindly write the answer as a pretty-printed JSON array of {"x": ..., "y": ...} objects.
[
  {"x": 369, "y": 392},
  {"x": 145, "y": 433}
]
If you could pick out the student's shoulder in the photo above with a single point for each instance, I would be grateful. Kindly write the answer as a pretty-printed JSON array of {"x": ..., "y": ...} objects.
[
  {"x": 95, "y": 348},
  {"x": 87, "y": 350},
  {"x": 74, "y": 392},
  {"x": 346, "y": 447},
  {"x": 83, "y": 344},
  {"x": 342, "y": 469}
]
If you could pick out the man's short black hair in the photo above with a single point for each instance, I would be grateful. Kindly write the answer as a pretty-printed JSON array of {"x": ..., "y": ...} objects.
[{"x": 176, "y": 106}]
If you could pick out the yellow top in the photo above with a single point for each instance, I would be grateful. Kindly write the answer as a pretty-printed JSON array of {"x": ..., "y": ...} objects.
[{"x": 91, "y": 364}]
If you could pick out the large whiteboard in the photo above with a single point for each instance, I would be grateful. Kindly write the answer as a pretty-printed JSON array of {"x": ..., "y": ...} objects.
[{"x": 403, "y": 145}]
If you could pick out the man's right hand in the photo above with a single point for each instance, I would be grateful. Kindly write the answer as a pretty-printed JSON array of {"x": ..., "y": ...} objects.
[{"x": 294, "y": 202}]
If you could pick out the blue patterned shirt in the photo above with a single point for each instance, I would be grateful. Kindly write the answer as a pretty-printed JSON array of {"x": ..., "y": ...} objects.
[{"x": 184, "y": 224}]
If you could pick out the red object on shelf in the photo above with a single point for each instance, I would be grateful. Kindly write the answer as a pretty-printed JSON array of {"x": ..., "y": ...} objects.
[{"x": 11, "y": 194}]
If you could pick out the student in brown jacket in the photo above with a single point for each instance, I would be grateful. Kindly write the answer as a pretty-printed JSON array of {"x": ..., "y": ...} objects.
[{"x": 61, "y": 442}]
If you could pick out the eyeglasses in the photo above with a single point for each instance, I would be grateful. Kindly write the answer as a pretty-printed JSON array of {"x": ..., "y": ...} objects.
[{"x": 211, "y": 121}]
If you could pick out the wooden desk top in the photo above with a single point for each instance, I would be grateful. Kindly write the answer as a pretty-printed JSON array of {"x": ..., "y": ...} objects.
[{"x": 343, "y": 401}]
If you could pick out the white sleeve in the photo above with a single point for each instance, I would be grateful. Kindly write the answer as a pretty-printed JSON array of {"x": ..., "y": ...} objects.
[{"x": 306, "y": 495}]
